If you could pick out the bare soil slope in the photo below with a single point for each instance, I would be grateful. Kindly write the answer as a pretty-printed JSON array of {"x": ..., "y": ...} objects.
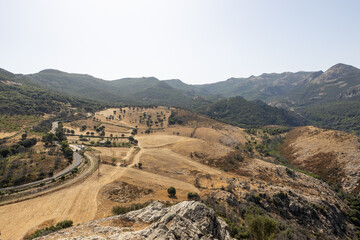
[{"x": 333, "y": 155}]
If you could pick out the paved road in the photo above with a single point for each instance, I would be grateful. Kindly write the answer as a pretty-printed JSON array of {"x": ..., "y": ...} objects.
[
  {"x": 54, "y": 127},
  {"x": 76, "y": 162}
]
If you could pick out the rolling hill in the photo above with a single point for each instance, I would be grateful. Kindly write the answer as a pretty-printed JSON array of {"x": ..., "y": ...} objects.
[
  {"x": 151, "y": 91},
  {"x": 320, "y": 97},
  {"x": 17, "y": 96}
]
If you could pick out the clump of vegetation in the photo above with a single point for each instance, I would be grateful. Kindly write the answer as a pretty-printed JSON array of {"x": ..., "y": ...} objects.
[
  {"x": 48, "y": 230},
  {"x": 171, "y": 191},
  {"x": 173, "y": 119},
  {"x": 117, "y": 210},
  {"x": 193, "y": 196},
  {"x": 353, "y": 202},
  {"x": 230, "y": 162},
  {"x": 17, "y": 148},
  {"x": 262, "y": 227}
]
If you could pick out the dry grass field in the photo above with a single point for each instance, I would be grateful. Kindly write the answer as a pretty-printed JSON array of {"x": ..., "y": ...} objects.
[{"x": 189, "y": 157}]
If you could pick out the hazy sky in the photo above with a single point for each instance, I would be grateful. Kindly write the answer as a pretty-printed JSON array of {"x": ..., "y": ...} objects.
[{"x": 198, "y": 41}]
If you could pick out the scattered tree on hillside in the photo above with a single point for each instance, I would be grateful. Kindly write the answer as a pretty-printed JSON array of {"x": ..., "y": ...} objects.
[{"x": 171, "y": 191}]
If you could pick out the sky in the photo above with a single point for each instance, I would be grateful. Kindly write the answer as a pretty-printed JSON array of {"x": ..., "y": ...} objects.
[{"x": 197, "y": 41}]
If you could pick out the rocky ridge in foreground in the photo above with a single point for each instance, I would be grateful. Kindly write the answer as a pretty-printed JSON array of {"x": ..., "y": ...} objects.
[{"x": 185, "y": 220}]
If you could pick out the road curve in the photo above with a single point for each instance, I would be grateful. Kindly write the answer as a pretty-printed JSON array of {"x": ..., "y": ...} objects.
[{"x": 76, "y": 162}]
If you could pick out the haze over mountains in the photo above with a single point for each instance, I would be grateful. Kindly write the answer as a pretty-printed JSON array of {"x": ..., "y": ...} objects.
[{"x": 319, "y": 97}]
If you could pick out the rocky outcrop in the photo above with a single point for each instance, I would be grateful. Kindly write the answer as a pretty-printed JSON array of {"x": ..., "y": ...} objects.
[
  {"x": 186, "y": 220},
  {"x": 350, "y": 93}
]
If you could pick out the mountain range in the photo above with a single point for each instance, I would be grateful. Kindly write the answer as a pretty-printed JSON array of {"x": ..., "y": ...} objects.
[{"x": 291, "y": 98}]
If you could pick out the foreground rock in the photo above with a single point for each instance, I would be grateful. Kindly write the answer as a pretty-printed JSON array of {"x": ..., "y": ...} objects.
[{"x": 186, "y": 220}]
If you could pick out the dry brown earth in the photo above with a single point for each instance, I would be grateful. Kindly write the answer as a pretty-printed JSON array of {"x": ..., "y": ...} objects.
[{"x": 333, "y": 155}]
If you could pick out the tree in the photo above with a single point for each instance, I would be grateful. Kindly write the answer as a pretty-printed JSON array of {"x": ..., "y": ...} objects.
[
  {"x": 68, "y": 153},
  {"x": 131, "y": 138},
  {"x": 49, "y": 138},
  {"x": 23, "y": 136},
  {"x": 171, "y": 191},
  {"x": 140, "y": 165},
  {"x": 72, "y": 132}
]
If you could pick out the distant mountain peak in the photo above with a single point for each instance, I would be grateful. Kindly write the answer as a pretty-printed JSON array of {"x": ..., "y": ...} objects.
[
  {"x": 51, "y": 71},
  {"x": 341, "y": 67}
]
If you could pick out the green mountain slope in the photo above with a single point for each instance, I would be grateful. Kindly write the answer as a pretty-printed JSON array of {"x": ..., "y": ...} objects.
[
  {"x": 18, "y": 97},
  {"x": 343, "y": 115},
  {"x": 238, "y": 111},
  {"x": 134, "y": 91}
]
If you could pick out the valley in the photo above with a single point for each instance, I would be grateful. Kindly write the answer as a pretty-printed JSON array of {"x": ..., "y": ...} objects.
[
  {"x": 204, "y": 120},
  {"x": 146, "y": 150}
]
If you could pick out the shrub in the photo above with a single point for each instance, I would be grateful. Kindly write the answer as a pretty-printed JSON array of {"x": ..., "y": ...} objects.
[
  {"x": 262, "y": 227},
  {"x": 117, "y": 210},
  {"x": 171, "y": 191},
  {"x": 48, "y": 230},
  {"x": 193, "y": 196}
]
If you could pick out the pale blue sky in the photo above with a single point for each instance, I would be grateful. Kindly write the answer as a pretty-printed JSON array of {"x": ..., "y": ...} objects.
[{"x": 198, "y": 41}]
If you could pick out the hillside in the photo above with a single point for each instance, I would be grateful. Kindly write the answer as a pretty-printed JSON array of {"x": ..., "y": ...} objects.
[
  {"x": 320, "y": 97},
  {"x": 19, "y": 97},
  {"x": 333, "y": 155},
  {"x": 203, "y": 160},
  {"x": 238, "y": 111},
  {"x": 134, "y": 91},
  {"x": 340, "y": 82},
  {"x": 149, "y": 91},
  {"x": 264, "y": 87}
]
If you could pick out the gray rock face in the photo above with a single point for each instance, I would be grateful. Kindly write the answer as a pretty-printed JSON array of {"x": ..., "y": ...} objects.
[{"x": 186, "y": 220}]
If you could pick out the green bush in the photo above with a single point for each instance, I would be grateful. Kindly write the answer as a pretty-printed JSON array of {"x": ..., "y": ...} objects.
[
  {"x": 193, "y": 196},
  {"x": 51, "y": 229},
  {"x": 262, "y": 227},
  {"x": 117, "y": 210}
]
